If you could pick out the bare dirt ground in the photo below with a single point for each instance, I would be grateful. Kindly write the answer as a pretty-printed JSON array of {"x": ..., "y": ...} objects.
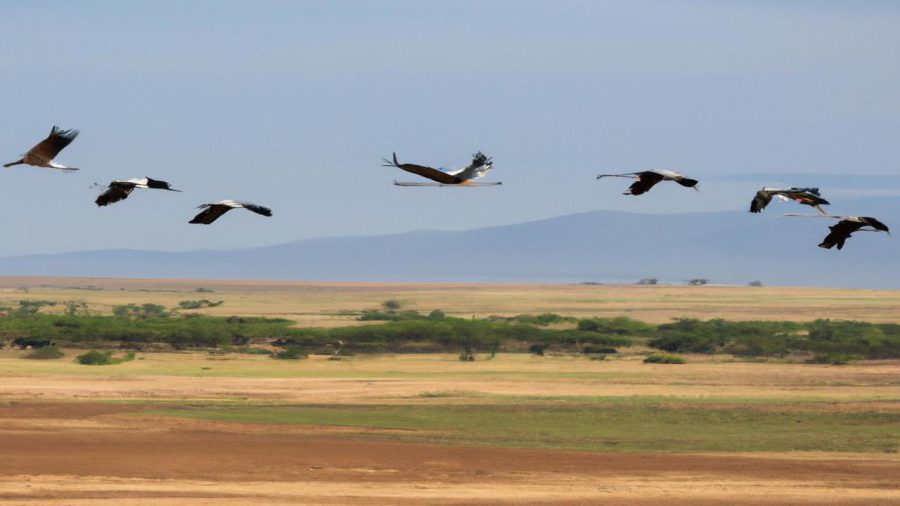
[
  {"x": 63, "y": 442},
  {"x": 97, "y": 454},
  {"x": 328, "y": 304}
]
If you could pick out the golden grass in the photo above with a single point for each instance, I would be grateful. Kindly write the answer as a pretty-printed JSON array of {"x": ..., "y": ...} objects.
[{"x": 323, "y": 304}]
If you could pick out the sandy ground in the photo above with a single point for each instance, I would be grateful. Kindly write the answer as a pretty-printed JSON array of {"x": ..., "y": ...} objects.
[
  {"x": 96, "y": 454},
  {"x": 386, "y": 379},
  {"x": 63, "y": 443},
  {"x": 333, "y": 304}
]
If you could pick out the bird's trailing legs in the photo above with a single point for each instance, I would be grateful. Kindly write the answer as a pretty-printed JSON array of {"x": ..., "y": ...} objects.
[{"x": 10, "y": 164}]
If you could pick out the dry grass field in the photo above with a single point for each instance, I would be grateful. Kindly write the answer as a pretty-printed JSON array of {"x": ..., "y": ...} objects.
[
  {"x": 327, "y": 304},
  {"x": 186, "y": 428}
]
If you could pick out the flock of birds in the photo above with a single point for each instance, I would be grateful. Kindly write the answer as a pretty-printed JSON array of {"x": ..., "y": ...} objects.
[{"x": 44, "y": 153}]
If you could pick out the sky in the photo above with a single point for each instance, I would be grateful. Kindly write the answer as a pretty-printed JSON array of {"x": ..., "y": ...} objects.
[{"x": 292, "y": 105}]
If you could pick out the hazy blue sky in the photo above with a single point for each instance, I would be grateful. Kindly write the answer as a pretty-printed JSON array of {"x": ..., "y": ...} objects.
[{"x": 292, "y": 105}]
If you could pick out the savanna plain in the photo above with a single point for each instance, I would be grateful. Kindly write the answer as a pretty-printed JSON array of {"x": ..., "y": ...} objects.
[{"x": 550, "y": 425}]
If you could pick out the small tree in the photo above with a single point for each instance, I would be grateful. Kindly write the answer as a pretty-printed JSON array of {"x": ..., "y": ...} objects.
[
  {"x": 537, "y": 349},
  {"x": 46, "y": 353},
  {"x": 391, "y": 305}
]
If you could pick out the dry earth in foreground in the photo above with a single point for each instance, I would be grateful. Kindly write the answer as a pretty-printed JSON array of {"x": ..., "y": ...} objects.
[{"x": 87, "y": 453}]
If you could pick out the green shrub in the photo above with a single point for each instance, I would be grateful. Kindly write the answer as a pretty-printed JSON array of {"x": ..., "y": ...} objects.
[
  {"x": 391, "y": 305},
  {"x": 543, "y": 319},
  {"x": 376, "y": 315},
  {"x": 663, "y": 358},
  {"x": 95, "y": 357},
  {"x": 621, "y": 326},
  {"x": 537, "y": 349},
  {"x": 598, "y": 350},
  {"x": 46, "y": 353},
  {"x": 142, "y": 311},
  {"x": 198, "y": 304},
  {"x": 31, "y": 307}
]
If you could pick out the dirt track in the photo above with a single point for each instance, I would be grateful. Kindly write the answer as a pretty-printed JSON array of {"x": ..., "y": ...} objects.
[{"x": 57, "y": 453}]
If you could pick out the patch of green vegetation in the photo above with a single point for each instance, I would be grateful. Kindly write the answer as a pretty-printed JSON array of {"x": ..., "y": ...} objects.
[
  {"x": 663, "y": 358},
  {"x": 142, "y": 311},
  {"x": 542, "y": 319},
  {"x": 46, "y": 353},
  {"x": 136, "y": 325},
  {"x": 391, "y": 305},
  {"x": 95, "y": 357},
  {"x": 199, "y": 304},
  {"x": 759, "y": 338},
  {"x": 595, "y": 427},
  {"x": 409, "y": 331}
]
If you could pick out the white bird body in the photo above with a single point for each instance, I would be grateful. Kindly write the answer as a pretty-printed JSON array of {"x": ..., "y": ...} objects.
[
  {"x": 668, "y": 175},
  {"x": 120, "y": 190},
  {"x": 473, "y": 171},
  {"x": 140, "y": 182}
]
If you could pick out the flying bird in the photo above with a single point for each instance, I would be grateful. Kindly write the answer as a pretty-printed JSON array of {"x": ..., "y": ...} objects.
[
  {"x": 845, "y": 227},
  {"x": 648, "y": 179},
  {"x": 480, "y": 166},
  {"x": 42, "y": 154},
  {"x": 807, "y": 196},
  {"x": 120, "y": 190},
  {"x": 212, "y": 212}
]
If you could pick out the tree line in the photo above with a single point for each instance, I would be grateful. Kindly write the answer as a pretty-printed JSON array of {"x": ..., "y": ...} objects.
[{"x": 402, "y": 331}]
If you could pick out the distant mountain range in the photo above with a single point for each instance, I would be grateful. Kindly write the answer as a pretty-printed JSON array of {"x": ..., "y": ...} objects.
[{"x": 598, "y": 246}]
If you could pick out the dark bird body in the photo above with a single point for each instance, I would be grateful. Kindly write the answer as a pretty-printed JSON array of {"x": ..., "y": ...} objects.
[
  {"x": 847, "y": 226},
  {"x": 212, "y": 212},
  {"x": 649, "y": 178}
]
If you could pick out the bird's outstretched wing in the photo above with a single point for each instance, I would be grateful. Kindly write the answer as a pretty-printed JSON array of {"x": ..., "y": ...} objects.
[
  {"x": 210, "y": 214},
  {"x": 645, "y": 181},
  {"x": 265, "y": 211},
  {"x": 426, "y": 172},
  {"x": 840, "y": 233},
  {"x": 806, "y": 196},
  {"x": 54, "y": 143},
  {"x": 760, "y": 201},
  {"x": 160, "y": 185},
  {"x": 115, "y": 192}
]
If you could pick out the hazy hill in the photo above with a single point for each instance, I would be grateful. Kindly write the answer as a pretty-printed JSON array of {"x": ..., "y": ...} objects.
[{"x": 602, "y": 246}]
